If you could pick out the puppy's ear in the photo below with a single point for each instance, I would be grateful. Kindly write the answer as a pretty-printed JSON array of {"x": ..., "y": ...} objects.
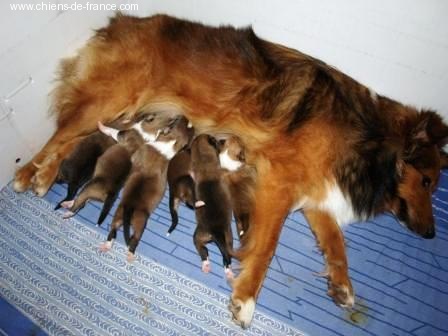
[{"x": 213, "y": 142}]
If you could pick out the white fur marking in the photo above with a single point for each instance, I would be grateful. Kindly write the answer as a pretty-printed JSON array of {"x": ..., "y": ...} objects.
[
  {"x": 227, "y": 162},
  {"x": 247, "y": 312},
  {"x": 338, "y": 205},
  {"x": 165, "y": 148},
  {"x": 373, "y": 95},
  {"x": 148, "y": 137},
  {"x": 109, "y": 131}
]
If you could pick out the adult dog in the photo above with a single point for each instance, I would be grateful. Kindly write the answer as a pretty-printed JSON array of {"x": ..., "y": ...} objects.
[{"x": 320, "y": 141}]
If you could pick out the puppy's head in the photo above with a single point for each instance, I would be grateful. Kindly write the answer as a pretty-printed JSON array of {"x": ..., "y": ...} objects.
[
  {"x": 180, "y": 130},
  {"x": 205, "y": 152},
  {"x": 149, "y": 125},
  {"x": 130, "y": 138},
  {"x": 231, "y": 153},
  {"x": 419, "y": 168}
]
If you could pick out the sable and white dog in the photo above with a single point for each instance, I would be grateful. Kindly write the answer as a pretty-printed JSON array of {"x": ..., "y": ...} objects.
[{"x": 320, "y": 141}]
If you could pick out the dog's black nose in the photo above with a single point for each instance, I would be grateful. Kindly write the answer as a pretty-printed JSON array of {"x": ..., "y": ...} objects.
[{"x": 430, "y": 234}]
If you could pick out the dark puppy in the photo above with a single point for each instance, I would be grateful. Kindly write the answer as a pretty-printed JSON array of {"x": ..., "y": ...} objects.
[
  {"x": 213, "y": 219},
  {"x": 181, "y": 185},
  {"x": 110, "y": 173},
  {"x": 240, "y": 179},
  {"x": 146, "y": 185},
  {"x": 79, "y": 166}
]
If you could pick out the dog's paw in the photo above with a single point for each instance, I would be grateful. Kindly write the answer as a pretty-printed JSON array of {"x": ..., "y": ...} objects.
[
  {"x": 106, "y": 246},
  {"x": 23, "y": 177},
  {"x": 45, "y": 176},
  {"x": 206, "y": 267},
  {"x": 342, "y": 294},
  {"x": 242, "y": 311}
]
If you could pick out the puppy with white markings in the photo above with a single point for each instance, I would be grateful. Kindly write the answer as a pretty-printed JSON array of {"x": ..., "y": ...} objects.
[
  {"x": 79, "y": 166},
  {"x": 213, "y": 219},
  {"x": 240, "y": 179},
  {"x": 146, "y": 185}
]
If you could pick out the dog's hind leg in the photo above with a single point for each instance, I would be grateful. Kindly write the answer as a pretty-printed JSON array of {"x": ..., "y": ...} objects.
[
  {"x": 72, "y": 189},
  {"x": 224, "y": 243},
  {"x": 331, "y": 241}
]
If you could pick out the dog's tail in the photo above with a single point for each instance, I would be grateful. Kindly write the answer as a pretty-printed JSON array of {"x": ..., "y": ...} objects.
[
  {"x": 108, "y": 203},
  {"x": 127, "y": 216}
]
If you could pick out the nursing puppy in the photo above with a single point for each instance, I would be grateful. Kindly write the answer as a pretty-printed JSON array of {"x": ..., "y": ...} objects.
[
  {"x": 110, "y": 173},
  {"x": 213, "y": 219},
  {"x": 181, "y": 185},
  {"x": 79, "y": 166},
  {"x": 240, "y": 179},
  {"x": 146, "y": 184}
]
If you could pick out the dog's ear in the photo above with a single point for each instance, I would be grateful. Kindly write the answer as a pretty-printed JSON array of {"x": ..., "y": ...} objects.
[
  {"x": 430, "y": 129},
  {"x": 443, "y": 160}
]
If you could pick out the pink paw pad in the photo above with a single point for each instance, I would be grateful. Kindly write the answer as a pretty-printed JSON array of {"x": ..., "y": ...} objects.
[
  {"x": 106, "y": 246},
  {"x": 67, "y": 204},
  {"x": 199, "y": 204},
  {"x": 68, "y": 214},
  {"x": 229, "y": 273},
  {"x": 206, "y": 268},
  {"x": 130, "y": 257}
]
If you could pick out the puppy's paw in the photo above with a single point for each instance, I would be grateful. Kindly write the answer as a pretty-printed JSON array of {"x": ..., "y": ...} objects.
[
  {"x": 68, "y": 214},
  {"x": 206, "y": 267},
  {"x": 199, "y": 204},
  {"x": 229, "y": 274},
  {"x": 242, "y": 311},
  {"x": 130, "y": 257},
  {"x": 106, "y": 246},
  {"x": 67, "y": 204},
  {"x": 23, "y": 177}
]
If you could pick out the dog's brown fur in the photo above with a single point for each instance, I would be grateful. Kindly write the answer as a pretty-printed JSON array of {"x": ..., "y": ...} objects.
[{"x": 307, "y": 127}]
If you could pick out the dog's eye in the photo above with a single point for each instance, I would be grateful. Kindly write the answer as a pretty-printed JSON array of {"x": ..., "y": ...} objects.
[{"x": 426, "y": 182}]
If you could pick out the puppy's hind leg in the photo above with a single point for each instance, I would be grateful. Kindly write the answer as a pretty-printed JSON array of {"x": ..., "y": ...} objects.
[
  {"x": 139, "y": 224},
  {"x": 200, "y": 239},
  {"x": 93, "y": 190},
  {"x": 117, "y": 221},
  {"x": 224, "y": 243},
  {"x": 108, "y": 203},
  {"x": 72, "y": 189}
]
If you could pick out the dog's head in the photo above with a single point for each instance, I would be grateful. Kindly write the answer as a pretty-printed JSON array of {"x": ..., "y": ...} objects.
[{"x": 418, "y": 168}]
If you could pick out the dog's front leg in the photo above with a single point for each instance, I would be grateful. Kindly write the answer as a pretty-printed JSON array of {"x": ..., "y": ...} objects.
[
  {"x": 270, "y": 210},
  {"x": 331, "y": 242}
]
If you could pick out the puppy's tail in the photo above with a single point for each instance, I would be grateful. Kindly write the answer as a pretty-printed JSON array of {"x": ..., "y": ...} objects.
[
  {"x": 127, "y": 215},
  {"x": 108, "y": 203}
]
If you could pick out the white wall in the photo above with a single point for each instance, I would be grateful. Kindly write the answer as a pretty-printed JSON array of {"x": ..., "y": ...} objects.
[{"x": 397, "y": 47}]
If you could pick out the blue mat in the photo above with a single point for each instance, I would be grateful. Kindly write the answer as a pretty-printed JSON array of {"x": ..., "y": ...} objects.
[
  {"x": 51, "y": 270},
  {"x": 400, "y": 280}
]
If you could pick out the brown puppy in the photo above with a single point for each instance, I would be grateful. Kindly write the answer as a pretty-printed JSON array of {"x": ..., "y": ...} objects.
[
  {"x": 321, "y": 142},
  {"x": 110, "y": 174},
  {"x": 146, "y": 185},
  {"x": 240, "y": 179},
  {"x": 181, "y": 185},
  {"x": 79, "y": 166},
  {"x": 213, "y": 219}
]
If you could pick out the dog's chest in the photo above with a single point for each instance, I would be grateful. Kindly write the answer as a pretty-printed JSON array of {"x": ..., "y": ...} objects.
[{"x": 335, "y": 203}]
